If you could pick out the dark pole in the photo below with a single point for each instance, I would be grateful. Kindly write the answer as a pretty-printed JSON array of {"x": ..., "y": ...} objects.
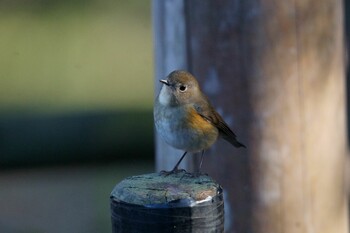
[{"x": 275, "y": 72}]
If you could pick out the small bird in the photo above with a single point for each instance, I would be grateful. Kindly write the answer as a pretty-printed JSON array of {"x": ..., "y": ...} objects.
[{"x": 185, "y": 119}]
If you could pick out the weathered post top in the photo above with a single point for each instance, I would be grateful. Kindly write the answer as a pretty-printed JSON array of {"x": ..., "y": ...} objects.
[{"x": 175, "y": 203}]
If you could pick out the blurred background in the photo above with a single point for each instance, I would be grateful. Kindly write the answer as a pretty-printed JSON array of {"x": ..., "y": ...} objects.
[{"x": 76, "y": 94}]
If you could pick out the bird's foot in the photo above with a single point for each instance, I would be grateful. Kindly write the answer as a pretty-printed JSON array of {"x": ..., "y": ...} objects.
[
  {"x": 197, "y": 174},
  {"x": 174, "y": 171}
]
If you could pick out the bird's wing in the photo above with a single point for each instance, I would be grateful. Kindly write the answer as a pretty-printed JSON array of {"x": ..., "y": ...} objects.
[{"x": 205, "y": 110}]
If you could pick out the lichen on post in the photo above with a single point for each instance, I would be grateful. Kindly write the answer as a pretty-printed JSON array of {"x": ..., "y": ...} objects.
[{"x": 178, "y": 202}]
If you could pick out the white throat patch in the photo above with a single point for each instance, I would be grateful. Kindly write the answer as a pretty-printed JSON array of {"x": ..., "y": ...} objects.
[{"x": 164, "y": 95}]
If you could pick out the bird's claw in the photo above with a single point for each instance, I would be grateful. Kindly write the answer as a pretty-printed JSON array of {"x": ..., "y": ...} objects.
[
  {"x": 174, "y": 171},
  {"x": 197, "y": 174}
]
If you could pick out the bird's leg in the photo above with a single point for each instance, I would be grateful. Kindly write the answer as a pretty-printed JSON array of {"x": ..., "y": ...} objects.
[
  {"x": 200, "y": 164},
  {"x": 198, "y": 173},
  {"x": 178, "y": 163},
  {"x": 175, "y": 169}
]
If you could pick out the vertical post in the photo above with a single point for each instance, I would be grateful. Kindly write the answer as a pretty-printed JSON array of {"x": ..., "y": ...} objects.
[
  {"x": 275, "y": 71},
  {"x": 170, "y": 40}
]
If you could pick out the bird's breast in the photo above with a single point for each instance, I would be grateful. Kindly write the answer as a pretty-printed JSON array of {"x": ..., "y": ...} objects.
[{"x": 183, "y": 128}]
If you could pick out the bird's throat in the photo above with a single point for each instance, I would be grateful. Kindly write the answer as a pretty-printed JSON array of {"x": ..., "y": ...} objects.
[{"x": 165, "y": 96}]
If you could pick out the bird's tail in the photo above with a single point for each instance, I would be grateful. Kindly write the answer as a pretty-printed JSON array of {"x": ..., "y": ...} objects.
[
  {"x": 234, "y": 142},
  {"x": 238, "y": 144}
]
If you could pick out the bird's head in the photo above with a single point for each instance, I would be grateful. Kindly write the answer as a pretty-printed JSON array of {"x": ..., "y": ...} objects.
[{"x": 180, "y": 87}]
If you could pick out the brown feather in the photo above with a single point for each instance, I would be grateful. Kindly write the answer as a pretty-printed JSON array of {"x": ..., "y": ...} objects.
[{"x": 205, "y": 110}]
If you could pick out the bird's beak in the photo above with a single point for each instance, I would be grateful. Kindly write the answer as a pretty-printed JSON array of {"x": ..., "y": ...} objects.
[{"x": 165, "y": 82}]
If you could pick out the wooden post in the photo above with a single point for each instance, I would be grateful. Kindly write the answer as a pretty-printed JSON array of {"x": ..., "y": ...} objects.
[
  {"x": 175, "y": 203},
  {"x": 275, "y": 71},
  {"x": 170, "y": 54}
]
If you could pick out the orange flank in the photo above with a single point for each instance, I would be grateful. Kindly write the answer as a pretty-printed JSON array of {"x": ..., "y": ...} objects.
[{"x": 196, "y": 121}]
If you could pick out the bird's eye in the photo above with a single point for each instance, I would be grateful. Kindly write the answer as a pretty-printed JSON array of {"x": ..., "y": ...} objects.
[{"x": 183, "y": 88}]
